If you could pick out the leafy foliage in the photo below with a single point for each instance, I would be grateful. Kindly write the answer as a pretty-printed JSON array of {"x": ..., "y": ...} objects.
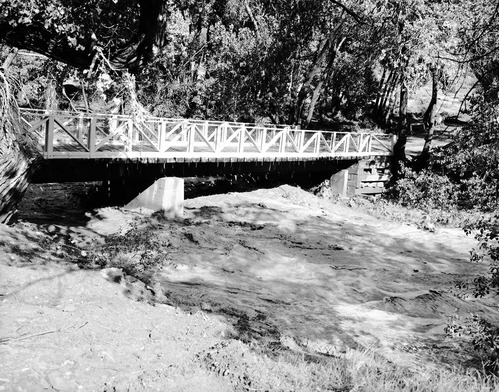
[
  {"x": 463, "y": 174},
  {"x": 486, "y": 232},
  {"x": 484, "y": 338},
  {"x": 484, "y": 335},
  {"x": 425, "y": 190},
  {"x": 73, "y": 32}
]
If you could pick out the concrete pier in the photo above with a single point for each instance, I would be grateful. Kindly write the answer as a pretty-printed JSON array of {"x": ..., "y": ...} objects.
[{"x": 166, "y": 194}]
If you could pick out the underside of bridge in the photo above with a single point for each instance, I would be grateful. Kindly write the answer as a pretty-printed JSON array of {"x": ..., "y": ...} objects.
[
  {"x": 123, "y": 180},
  {"x": 80, "y": 170}
]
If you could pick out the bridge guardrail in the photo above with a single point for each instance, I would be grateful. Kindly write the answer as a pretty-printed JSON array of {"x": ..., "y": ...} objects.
[{"x": 81, "y": 135}]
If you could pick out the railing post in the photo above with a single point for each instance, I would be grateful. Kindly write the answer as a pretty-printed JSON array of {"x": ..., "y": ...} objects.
[
  {"x": 333, "y": 142},
  {"x": 242, "y": 136},
  {"x": 190, "y": 137},
  {"x": 317, "y": 146},
  {"x": 79, "y": 128},
  {"x": 205, "y": 129},
  {"x": 129, "y": 141},
  {"x": 301, "y": 141},
  {"x": 49, "y": 135},
  {"x": 282, "y": 142},
  {"x": 263, "y": 138},
  {"x": 347, "y": 143},
  {"x": 218, "y": 135},
  {"x": 161, "y": 135},
  {"x": 183, "y": 132},
  {"x": 91, "y": 136}
]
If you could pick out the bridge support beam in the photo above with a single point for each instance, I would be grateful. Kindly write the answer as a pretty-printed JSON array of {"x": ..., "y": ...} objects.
[{"x": 166, "y": 194}]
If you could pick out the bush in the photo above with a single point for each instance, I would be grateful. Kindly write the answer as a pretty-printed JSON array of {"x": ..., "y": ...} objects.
[
  {"x": 464, "y": 173},
  {"x": 472, "y": 162},
  {"x": 486, "y": 232},
  {"x": 425, "y": 190},
  {"x": 484, "y": 339},
  {"x": 484, "y": 335}
]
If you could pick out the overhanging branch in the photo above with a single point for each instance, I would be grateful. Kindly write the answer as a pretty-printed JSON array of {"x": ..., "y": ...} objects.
[
  {"x": 350, "y": 12},
  {"x": 138, "y": 50}
]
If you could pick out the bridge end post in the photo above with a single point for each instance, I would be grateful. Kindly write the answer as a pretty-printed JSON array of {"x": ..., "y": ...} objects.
[{"x": 339, "y": 183}]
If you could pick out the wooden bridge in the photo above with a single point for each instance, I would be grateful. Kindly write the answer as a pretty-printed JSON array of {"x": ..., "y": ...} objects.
[
  {"x": 133, "y": 150},
  {"x": 65, "y": 135}
]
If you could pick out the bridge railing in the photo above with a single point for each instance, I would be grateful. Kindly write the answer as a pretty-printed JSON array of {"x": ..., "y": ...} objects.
[{"x": 80, "y": 135}]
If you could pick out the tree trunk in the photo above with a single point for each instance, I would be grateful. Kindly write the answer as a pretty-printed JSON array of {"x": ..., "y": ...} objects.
[
  {"x": 387, "y": 88},
  {"x": 314, "y": 71},
  {"x": 318, "y": 88},
  {"x": 428, "y": 119},
  {"x": 252, "y": 18},
  {"x": 18, "y": 155},
  {"x": 315, "y": 97},
  {"x": 399, "y": 148},
  {"x": 293, "y": 90}
]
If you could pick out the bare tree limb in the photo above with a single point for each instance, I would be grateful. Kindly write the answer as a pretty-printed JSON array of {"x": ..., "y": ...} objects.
[
  {"x": 353, "y": 14},
  {"x": 466, "y": 97},
  {"x": 252, "y": 17}
]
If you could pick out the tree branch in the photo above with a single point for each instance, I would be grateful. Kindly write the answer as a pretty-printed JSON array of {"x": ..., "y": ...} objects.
[
  {"x": 252, "y": 17},
  {"x": 138, "y": 50},
  {"x": 353, "y": 14}
]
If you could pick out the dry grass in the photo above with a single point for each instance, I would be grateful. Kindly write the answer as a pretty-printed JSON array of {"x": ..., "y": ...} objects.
[
  {"x": 355, "y": 371},
  {"x": 383, "y": 208}
]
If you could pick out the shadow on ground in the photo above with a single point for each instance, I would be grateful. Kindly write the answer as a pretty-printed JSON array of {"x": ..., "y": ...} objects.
[{"x": 290, "y": 269}]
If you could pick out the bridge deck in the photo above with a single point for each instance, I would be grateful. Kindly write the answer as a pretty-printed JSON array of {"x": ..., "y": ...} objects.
[{"x": 66, "y": 135}]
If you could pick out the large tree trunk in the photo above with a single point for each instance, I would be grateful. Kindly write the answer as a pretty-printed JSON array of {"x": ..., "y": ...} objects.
[
  {"x": 315, "y": 97},
  {"x": 314, "y": 71},
  {"x": 18, "y": 154},
  {"x": 428, "y": 118},
  {"x": 325, "y": 74},
  {"x": 383, "y": 108},
  {"x": 399, "y": 156}
]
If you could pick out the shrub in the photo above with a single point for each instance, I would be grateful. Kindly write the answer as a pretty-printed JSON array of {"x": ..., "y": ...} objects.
[
  {"x": 484, "y": 335},
  {"x": 486, "y": 232},
  {"x": 472, "y": 161},
  {"x": 425, "y": 190}
]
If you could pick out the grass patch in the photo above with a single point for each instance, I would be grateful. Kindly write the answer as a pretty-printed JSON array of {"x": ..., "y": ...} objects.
[
  {"x": 248, "y": 370},
  {"x": 383, "y": 208}
]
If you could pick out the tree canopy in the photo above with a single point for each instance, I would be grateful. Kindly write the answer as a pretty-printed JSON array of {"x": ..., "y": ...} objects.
[
  {"x": 300, "y": 61},
  {"x": 73, "y": 32}
]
